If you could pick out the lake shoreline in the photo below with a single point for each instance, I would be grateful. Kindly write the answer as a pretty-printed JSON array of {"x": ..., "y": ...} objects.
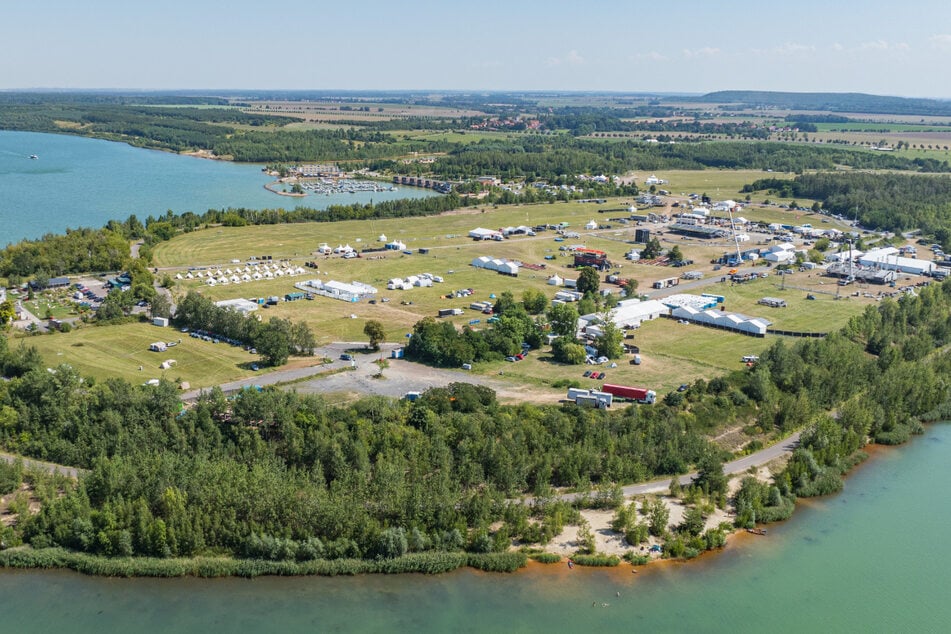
[{"x": 427, "y": 563}]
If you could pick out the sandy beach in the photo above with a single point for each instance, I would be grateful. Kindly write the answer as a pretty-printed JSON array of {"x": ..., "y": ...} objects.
[{"x": 610, "y": 542}]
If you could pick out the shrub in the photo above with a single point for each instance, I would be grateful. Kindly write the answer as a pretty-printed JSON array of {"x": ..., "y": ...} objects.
[
  {"x": 637, "y": 560},
  {"x": 602, "y": 561},
  {"x": 497, "y": 562},
  {"x": 545, "y": 558},
  {"x": 11, "y": 476},
  {"x": 637, "y": 534}
]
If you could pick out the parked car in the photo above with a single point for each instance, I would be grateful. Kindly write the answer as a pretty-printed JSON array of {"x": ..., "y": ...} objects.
[
  {"x": 683, "y": 387},
  {"x": 346, "y": 357}
]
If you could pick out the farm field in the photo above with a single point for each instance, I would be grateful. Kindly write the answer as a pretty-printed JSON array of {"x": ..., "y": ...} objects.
[
  {"x": 457, "y": 138},
  {"x": 670, "y": 358},
  {"x": 118, "y": 351}
]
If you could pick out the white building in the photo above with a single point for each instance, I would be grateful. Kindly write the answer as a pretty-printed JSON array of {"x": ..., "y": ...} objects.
[
  {"x": 629, "y": 313},
  {"x": 842, "y": 256},
  {"x": 781, "y": 253},
  {"x": 352, "y": 292},
  {"x": 243, "y": 306},
  {"x": 756, "y": 326},
  {"x": 499, "y": 265},
  {"x": 889, "y": 260},
  {"x": 480, "y": 233}
]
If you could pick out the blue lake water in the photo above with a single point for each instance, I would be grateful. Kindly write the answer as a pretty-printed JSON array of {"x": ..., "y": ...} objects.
[
  {"x": 80, "y": 182},
  {"x": 874, "y": 558}
]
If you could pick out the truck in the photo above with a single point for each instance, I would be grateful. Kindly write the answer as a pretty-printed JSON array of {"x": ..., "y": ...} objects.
[
  {"x": 449, "y": 312},
  {"x": 575, "y": 392},
  {"x": 590, "y": 398},
  {"x": 638, "y": 394},
  {"x": 670, "y": 281}
]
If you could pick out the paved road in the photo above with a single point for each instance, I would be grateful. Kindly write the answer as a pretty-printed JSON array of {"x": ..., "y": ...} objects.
[
  {"x": 758, "y": 459},
  {"x": 740, "y": 465},
  {"x": 49, "y": 467}
]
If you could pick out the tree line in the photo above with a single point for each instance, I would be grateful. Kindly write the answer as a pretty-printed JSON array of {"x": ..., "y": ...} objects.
[
  {"x": 280, "y": 475},
  {"x": 885, "y": 201},
  {"x": 546, "y": 157},
  {"x": 275, "y": 340},
  {"x": 107, "y": 249}
]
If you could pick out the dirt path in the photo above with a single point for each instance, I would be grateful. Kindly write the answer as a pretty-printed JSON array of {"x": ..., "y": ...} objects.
[
  {"x": 49, "y": 467},
  {"x": 357, "y": 376}
]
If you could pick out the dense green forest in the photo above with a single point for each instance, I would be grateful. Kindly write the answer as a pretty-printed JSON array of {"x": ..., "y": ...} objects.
[
  {"x": 277, "y": 475},
  {"x": 889, "y": 202},
  {"x": 550, "y": 157},
  {"x": 831, "y": 101}
]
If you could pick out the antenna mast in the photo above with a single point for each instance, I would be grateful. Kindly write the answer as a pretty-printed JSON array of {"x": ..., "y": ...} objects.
[{"x": 736, "y": 241}]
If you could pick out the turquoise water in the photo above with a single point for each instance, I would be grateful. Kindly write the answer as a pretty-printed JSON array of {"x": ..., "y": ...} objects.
[
  {"x": 872, "y": 559},
  {"x": 80, "y": 182}
]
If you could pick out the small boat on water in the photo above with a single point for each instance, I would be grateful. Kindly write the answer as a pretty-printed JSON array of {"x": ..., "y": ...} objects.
[{"x": 34, "y": 156}]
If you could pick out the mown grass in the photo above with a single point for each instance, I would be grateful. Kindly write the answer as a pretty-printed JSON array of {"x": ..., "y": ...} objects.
[
  {"x": 718, "y": 184},
  {"x": 669, "y": 361},
  {"x": 118, "y": 351}
]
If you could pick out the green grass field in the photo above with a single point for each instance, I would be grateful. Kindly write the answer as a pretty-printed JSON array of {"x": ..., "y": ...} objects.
[
  {"x": 450, "y": 255},
  {"x": 59, "y": 307},
  {"x": 119, "y": 351},
  {"x": 671, "y": 354},
  {"x": 670, "y": 357},
  {"x": 718, "y": 184}
]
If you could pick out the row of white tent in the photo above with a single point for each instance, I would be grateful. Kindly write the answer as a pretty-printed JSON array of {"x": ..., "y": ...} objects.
[
  {"x": 506, "y": 267},
  {"x": 211, "y": 280},
  {"x": 404, "y": 284},
  {"x": 340, "y": 249},
  {"x": 732, "y": 321},
  {"x": 282, "y": 268}
]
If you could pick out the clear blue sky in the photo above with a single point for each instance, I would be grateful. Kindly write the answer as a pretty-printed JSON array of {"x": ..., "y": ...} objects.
[{"x": 894, "y": 48}]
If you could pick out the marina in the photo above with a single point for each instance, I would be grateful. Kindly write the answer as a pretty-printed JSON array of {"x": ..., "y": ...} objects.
[
  {"x": 331, "y": 186},
  {"x": 79, "y": 182}
]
